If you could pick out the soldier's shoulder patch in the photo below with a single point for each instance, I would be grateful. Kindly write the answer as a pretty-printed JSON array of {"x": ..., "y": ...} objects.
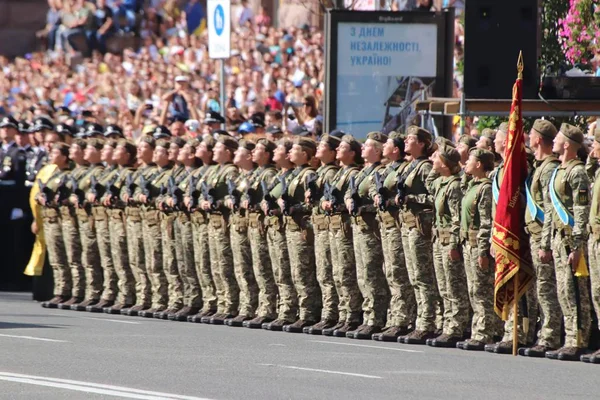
[{"x": 583, "y": 196}]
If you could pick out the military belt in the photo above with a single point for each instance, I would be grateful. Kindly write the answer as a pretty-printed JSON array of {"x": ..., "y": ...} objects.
[
  {"x": 320, "y": 222},
  {"x": 533, "y": 228},
  {"x": 443, "y": 235}
]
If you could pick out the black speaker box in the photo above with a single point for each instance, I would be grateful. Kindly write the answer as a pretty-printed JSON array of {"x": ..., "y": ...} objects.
[{"x": 495, "y": 32}]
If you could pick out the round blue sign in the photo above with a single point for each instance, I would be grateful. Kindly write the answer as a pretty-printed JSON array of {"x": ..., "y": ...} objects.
[{"x": 219, "y": 20}]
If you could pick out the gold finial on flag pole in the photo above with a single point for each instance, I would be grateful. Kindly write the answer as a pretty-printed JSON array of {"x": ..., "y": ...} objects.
[{"x": 520, "y": 65}]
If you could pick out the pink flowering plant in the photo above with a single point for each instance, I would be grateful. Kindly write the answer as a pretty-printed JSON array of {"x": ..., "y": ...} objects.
[{"x": 579, "y": 30}]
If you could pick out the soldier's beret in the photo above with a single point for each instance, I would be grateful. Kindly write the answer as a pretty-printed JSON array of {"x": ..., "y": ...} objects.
[
  {"x": 161, "y": 132},
  {"x": 377, "y": 136},
  {"x": 469, "y": 140},
  {"x": 193, "y": 143},
  {"x": 111, "y": 142},
  {"x": 306, "y": 143},
  {"x": 113, "y": 130},
  {"x": 62, "y": 147},
  {"x": 267, "y": 144},
  {"x": 97, "y": 143},
  {"x": 503, "y": 127},
  {"x": 398, "y": 139},
  {"x": 545, "y": 128},
  {"x": 178, "y": 141},
  {"x": 489, "y": 134},
  {"x": 9, "y": 122},
  {"x": 163, "y": 143},
  {"x": 332, "y": 141},
  {"x": 148, "y": 139},
  {"x": 247, "y": 144},
  {"x": 228, "y": 142},
  {"x": 572, "y": 133},
  {"x": 443, "y": 142},
  {"x": 449, "y": 155},
  {"x": 354, "y": 144},
  {"x": 423, "y": 135},
  {"x": 128, "y": 145},
  {"x": 80, "y": 142},
  {"x": 209, "y": 141},
  {"x": 286, "y": 143},
  {"x": 486, "y": 158},
  {"x": 274, "y": 130}
]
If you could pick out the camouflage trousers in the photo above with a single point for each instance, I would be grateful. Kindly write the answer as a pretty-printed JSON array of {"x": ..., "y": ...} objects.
[
  {"x": 418, "y": 251},
  {"x": 169, "y": 254},
  {"x": 594, "y": 268},
  {"x": 278, "y": 251},
  {"x": 565, "y": 284},
  {"x": 440, "y": 281},
  {"x": 72, "y": 242},
  {"x": 369, "y": 270},
  {"x": 480, "y": 282},
  {"x": 263, "y": 271},
  {"x": 402, "y": 309},
  {"x": 90, "y": 256},
  {"x": 151, "y": 231},
  {"x": 300, "y": 243},
  {"x": 120, "y": 257},
  {"x": 344, "y": 269},
  {"x": 242, "y": 266},
  {"x": 547, "y": 298},
  {"x": 108, "y": 268},
  {"x": 184, "y": 239},
  {"x": 202, "y": 262},
  {"x": 329, "y": 295},
  {"x": 137, "y": 262},
  {"x": 221, "y": 257},
  {"x": 57, "y": 253},
  {"x": 455, "y": 296}
]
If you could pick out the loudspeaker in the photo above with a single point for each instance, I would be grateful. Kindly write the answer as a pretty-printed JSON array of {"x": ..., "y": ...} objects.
[{"x": 495, "y": 32}]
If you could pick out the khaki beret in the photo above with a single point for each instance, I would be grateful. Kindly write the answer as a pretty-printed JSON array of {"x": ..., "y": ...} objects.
[
  {"x": 486, "y": 158},
  {"x": 449, "y": 155},
  {"x": 228, "y": 142},
  {"x": 128, "y": 145},
  {"x": 148, "y": 139},
  {"x": 80, "y": 142},
  {"x": 62, "y": 147},
  {"x": 97, "y": 143},
  {"x": 180, "y": 142},
  {"x": 209, "y": 141},
  {"x": 469, "y": 140},
  {"x": 377, "y": 136},
  {"x": 332, "y": 141},
  {"x": 111, "y": 142},
  {"x": 193, "y": 143},
  {"x": 397, "y": 138},
  {"x": 489, "y": 133},
  {"x": 247, "y": 144},
  {"x": 422, "y": 134},
  {"x": 572, "y": 133},
  {"x": 163, "y": 143},
  {"x": 354, "y": 144},
  {"x": 267, "y": 144},
  {"x": 306, "y": 143},
  {"x": 503, "y": 127},
  {"x": 545, "y": 128},
  {"x": 442, "y": 142},
  {"x": 286, "y": 143}
]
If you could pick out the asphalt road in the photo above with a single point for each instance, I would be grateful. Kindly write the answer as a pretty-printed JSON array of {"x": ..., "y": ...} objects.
[{"x": 56, "y": 354}]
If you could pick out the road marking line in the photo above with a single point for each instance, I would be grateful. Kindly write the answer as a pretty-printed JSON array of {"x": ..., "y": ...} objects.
[
  {"x": 91, "y": 387},
  {"x": 326, "y": 371},
  {"x": 35, "y": 338},
  {"x": 277, "y": 344},
  {"x": 112, "y": 320},
  {"x": 366, "y": 345}
]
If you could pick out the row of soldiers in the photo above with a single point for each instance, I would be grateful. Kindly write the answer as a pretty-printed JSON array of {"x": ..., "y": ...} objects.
[{"x": 322, "y": 238}]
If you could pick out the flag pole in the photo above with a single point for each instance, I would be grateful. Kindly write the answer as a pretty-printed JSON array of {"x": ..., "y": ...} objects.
[{"x": 516, "y": 315}]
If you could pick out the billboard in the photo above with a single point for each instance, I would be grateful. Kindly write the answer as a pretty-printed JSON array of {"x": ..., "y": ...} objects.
[{"x": 380, "y": 63}]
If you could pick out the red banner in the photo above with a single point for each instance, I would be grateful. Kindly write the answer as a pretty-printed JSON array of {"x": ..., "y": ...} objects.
[{"x": 509, "y": 244}]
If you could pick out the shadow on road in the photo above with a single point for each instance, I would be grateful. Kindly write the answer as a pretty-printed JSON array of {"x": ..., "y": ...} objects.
[{"x": 20, "y": 325}]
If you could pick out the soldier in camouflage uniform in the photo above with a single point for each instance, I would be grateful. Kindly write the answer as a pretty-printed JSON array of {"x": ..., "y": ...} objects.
[
  {"x": 417, "y": 220},
  {"x": 368, "y": 252},
  {"x": 402, "y": 311},
  {"x": 200, "y": 232},
  {"x": 136, "y": 246},
  {"x": 539, "y": 204},
  {"x": 300, "y": 237},
  {"x": 341, "y": 239},
  {"x": 124, "y": 155},
  {"x": 326, "y": 152},
  {"x": 53, "y": 236},
  {"x": 569, "y": 192},
  {"x": 167, "y": 218},
  {"x": 262, "y": 156},
  {"x": 475, "y": 233},
  {"x": 464, "y": 146},
  {"x": 101, "y": 225},
  {"x": 146, "y": 194},
  {"x": 594, "y": 237},
  {"x": 212, "y": 200},
  {"x": 184, "y": 237},
  {"x": 278, "y": 248},
  {"x": 240, "y": 243},
  {"x": 89, "y": 242},
  {"x": 70, "y": 228}
]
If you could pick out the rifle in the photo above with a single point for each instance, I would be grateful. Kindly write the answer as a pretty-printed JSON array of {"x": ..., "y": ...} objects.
[
  {"x": 192, "y": 191},
  {"x": 129, "y": 185},
  {"x": 231, "y": 189},
  {"x": 311, "y": 184},
  {"x": 354, "y": 196},
  {"x": 284, "y": 195},
  {"x": 145, "y": 186},
  {"x": 62, "y": 190},
  {"x": 208, "y": 194},
  {"x": 329, "y": 194},
  {"x": 380, "y": 190},
  {"x": 94, "y": 187},
  {"x": 75, "y": 190},
  {"x": 400, "y": 186},
  {"x": 267, "y": 196},
  {"x": 175, "y": 193}
]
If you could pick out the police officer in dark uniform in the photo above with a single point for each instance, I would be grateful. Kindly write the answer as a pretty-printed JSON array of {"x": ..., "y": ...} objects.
[
  {"x": 113, "y": 131},
  {"x": 41, "y": 127}
]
